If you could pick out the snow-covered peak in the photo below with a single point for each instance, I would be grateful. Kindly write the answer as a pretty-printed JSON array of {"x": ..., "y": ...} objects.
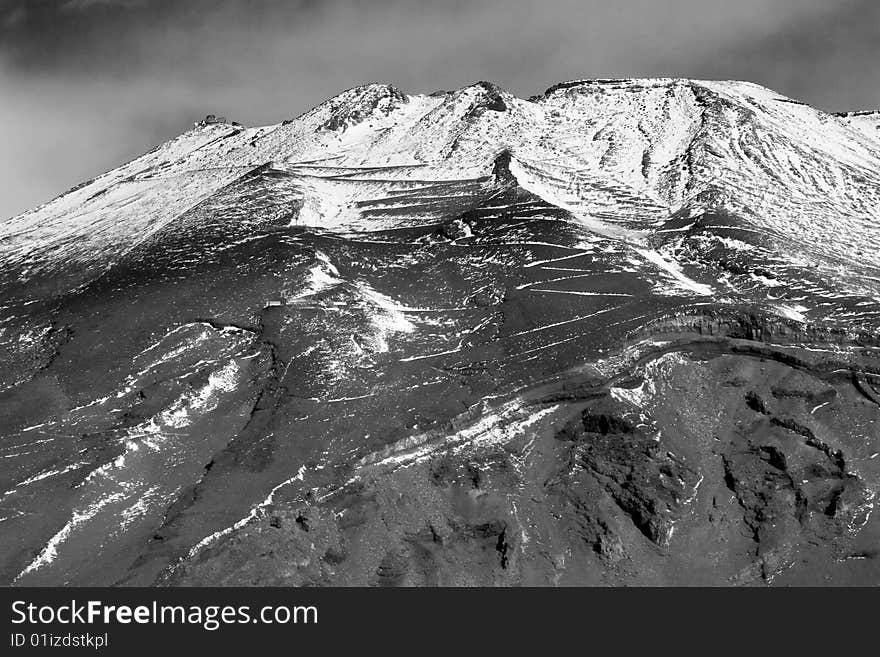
[
  {"x": 867, "y": 121},
  {"x": 621, "y": 156},
  {"x": 355, "y": 105}
]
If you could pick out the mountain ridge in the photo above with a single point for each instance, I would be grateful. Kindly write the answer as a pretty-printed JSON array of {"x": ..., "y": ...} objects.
[{"x": 624, "y": 332}]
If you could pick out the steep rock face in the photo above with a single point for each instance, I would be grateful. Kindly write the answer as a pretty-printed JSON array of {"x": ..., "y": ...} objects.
[
  {"x": 622, "y": 332},
  {"x": 728, "y": 470}
]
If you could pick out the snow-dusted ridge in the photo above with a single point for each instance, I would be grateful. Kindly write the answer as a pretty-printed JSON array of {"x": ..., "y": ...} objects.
[{"x": 623, "y": 157}]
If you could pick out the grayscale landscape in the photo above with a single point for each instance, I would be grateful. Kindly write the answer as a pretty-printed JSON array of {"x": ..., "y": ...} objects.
[{"x": 624, "y": 332}]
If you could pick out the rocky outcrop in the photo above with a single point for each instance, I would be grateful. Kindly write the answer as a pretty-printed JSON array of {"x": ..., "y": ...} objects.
[
  {"x": 754, "y": 326},
  {"x": 719, "y": 471}
]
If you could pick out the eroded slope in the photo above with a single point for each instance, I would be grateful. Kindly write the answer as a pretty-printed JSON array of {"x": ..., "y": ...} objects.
[{"x": 622, "y": 332}]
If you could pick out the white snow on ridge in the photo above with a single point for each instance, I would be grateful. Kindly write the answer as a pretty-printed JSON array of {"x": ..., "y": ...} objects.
[
  {"x": 389, "y": 316},
  {"x": 321, "y": 277},
  {"x": 162, "y": 453},
  {"x": 620, "y": 155},
  {"x": 795, "y": 313},
  {"x": 50, "y": 552},
  {"x": 499, "y": 426},
  {"x": 673, "y": 269}
]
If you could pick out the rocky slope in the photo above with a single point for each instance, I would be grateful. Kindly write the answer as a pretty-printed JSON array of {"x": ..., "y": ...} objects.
[{"x": 624, "y": 332}]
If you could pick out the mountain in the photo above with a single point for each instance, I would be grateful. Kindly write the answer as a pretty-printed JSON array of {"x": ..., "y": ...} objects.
[{"x": 624, "y": 332}]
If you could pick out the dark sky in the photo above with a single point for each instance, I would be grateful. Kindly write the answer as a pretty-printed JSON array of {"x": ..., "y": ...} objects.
[{"x": 88, "y": 84}]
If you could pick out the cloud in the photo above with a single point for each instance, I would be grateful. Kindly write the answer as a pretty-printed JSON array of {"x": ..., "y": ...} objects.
[
  {"x": 109, "y": 79},
  {"x": 828, "y": 60},
  {"x": 79, "y": 5}
]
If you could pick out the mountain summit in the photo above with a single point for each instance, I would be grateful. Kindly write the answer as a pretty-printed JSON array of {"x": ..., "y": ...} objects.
[{"x": 622, "y": 332}]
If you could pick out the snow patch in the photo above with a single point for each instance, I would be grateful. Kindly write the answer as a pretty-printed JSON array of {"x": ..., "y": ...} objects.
[
  {"x": 681, "y": 281},
  {"x": 795, "y": 313}
]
